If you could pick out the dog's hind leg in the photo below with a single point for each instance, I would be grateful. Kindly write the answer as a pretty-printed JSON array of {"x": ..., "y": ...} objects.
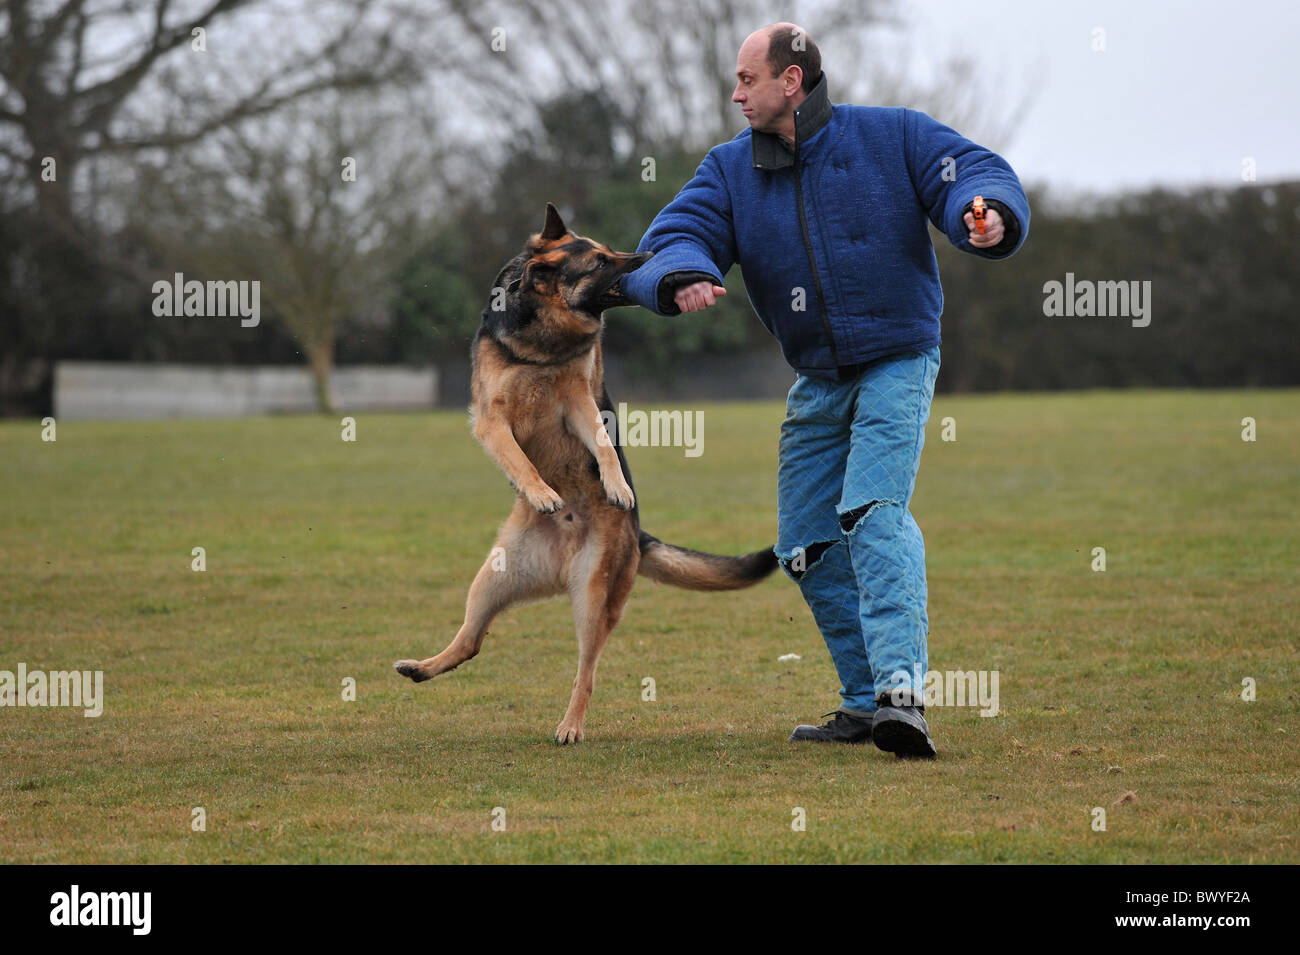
[
  {"x": 512, "y": 572},
  {"x": 600, "y": 585}
]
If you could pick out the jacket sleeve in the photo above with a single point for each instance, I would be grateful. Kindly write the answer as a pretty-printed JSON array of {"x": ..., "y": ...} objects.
[
  {"x": 948, "y": 171},
  {"x": 693, "y": 234}
]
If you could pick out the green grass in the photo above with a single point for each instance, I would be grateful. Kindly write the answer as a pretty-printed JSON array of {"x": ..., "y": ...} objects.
[{"x": 328, "y": 560}]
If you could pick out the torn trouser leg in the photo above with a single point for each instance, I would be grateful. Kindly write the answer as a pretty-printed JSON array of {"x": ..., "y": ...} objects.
[
  {"x": 828, "y": 584},
  {"x": 810, "y": 543},
  {"x": 891, "y": 407}
]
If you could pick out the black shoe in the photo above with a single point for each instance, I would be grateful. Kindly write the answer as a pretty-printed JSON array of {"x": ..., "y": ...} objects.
[
  {"x": 901, "y": 730},
  {"x": 843, "y": 728}
]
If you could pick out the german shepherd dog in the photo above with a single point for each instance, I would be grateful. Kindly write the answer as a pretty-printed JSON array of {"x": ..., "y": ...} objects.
[{"x": 537, "y": 393}]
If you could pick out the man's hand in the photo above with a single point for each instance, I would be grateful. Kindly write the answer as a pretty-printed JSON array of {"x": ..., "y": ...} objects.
[
  {"x": 994, "y": 230},
  {"x": 697, "y": 297}
]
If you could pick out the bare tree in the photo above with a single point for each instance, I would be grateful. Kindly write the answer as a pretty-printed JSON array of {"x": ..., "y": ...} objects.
[
  {"x": 668, "y": 66},
  {"x": 319, "y": 203},
  {"x": 73, "y": 78},
  {"x": 88, "y": 87}
]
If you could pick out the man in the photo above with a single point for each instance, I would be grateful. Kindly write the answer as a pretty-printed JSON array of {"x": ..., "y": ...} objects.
[{"x": 825, "y": 208}]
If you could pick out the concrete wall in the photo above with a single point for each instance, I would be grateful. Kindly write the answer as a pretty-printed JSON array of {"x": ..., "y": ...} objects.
[
  {"x": 757, "y": 375},
  {"x": 124, "y": 390}
]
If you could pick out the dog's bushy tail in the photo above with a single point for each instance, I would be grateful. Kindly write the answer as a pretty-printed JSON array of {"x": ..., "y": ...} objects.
[{"x": 694, "y": 570}]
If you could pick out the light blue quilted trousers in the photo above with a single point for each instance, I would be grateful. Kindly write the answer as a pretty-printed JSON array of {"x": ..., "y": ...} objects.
[{"x": 848, "y": 460}]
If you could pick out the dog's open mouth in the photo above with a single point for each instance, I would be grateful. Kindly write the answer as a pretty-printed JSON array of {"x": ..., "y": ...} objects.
[{"x": 613, "y": 296}]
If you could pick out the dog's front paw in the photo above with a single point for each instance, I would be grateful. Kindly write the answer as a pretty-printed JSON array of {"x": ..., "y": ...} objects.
[
  {"x": 620, "y": 495},
  {"x": 545, "y": 500}
]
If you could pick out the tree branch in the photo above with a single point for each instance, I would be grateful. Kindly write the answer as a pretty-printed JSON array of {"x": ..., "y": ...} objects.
[{"x": 100, "y": 101}]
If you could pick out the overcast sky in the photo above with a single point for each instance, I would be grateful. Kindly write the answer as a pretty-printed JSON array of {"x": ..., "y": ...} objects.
[{"x": 1184, "y": 91}]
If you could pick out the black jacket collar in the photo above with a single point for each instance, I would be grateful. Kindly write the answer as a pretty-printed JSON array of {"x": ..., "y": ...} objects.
[{"x": 813, "y": 113}]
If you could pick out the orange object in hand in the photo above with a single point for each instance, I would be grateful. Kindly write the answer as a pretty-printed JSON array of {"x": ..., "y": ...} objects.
[{"x": 977, "y": 211}]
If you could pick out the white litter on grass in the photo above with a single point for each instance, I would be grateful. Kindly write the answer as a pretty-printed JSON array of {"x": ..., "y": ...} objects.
[{"x": 788, "y": 656}]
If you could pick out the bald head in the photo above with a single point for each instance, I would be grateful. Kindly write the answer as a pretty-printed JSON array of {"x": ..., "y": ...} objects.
[{"x": 784, "y": 45}]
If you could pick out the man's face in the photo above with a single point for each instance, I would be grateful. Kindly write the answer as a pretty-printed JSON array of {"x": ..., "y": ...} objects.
[{"x": 760, "y": 94}]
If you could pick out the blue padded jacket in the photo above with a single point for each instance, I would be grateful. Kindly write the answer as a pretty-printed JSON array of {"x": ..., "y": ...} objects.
[{"x": 831, "y": 233}]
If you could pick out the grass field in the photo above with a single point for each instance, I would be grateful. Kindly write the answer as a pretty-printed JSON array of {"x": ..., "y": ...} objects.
[{"x": 328, "y": 560}]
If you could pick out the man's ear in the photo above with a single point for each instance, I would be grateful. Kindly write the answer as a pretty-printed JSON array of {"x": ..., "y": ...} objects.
[
  {"x": 555, "y": 227},
  {"x": 792, "y": 73}
]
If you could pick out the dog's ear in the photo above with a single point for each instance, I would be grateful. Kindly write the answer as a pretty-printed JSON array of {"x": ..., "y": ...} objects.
[
  {"x": 555, "y": 227},
  {"x": 541, "y": 271},
  {"x": 537, "y": 276}
]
